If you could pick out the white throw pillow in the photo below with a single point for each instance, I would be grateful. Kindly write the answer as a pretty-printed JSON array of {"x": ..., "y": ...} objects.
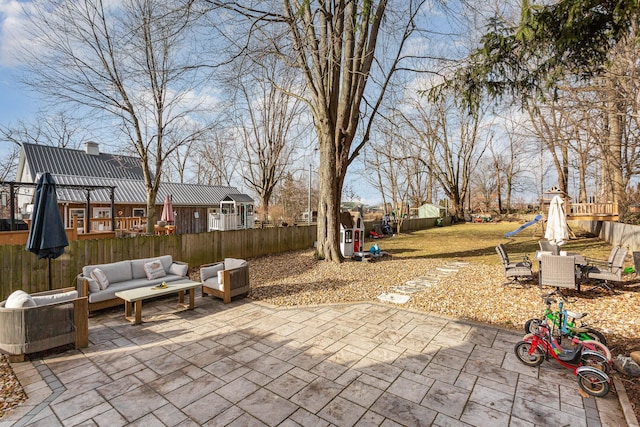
[
  {"x": 179, "y": 269},
  {"x": 154, "y": 269},
  {"x": 100, "y": 278},
  {"x": 19, "y": 299}
]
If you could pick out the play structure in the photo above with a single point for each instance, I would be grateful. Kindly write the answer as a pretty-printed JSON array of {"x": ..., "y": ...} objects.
[
  {"x": 351, "y": 233},
  {"x": 523, "y": 226}
]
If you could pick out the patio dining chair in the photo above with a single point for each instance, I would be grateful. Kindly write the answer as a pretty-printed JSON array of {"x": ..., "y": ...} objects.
[
  {"x": 611, "y": 271},
  {"x": 516, "y": 271},
  {"x": 558, "y": 271},
  {"x": 547, "y": 246}
]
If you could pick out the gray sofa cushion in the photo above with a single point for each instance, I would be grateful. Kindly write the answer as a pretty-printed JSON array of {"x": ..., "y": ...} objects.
[
  {"x": 178, "y": 269},
  {"x": 116, "y": 272},
  {"x": 137, "y": 265}
]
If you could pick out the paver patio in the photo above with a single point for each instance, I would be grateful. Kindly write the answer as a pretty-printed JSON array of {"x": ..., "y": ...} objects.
[{"x": 249, "y": 364}]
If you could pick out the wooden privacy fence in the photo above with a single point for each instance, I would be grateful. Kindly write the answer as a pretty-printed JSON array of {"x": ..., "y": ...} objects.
[{"x": 23, "y": 270}]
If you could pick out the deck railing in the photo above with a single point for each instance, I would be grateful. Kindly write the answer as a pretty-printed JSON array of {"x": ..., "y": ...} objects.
[{"x": 593, "y": 209}]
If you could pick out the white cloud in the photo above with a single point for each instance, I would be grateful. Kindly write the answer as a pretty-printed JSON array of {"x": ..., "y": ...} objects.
[{"x": 13, "y": 36}]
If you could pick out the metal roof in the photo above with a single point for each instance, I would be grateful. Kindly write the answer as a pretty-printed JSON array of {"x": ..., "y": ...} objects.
[
  {"x": 66, "y": 161},
  {"x": 78, "y": 168},
  {"x": 238, "y": 197},
  {"x": 129, "y": 191}
]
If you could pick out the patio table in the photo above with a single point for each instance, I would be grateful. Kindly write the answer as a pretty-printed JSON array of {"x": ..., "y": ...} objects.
[{"x": 136, "y": 296}]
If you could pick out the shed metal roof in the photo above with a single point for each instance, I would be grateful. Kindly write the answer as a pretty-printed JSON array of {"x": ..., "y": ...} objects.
[
  {"x": 78, "y": 168},
  {"x": 129, "y": 191},
  {"x": 66, "y": 161}
]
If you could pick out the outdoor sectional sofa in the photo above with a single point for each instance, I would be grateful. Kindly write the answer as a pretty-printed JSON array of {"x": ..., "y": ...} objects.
[{"x": 128, "y": 274}]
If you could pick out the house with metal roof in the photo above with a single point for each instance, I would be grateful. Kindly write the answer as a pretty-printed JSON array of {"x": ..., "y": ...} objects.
[{"x": 85, "y": 178}]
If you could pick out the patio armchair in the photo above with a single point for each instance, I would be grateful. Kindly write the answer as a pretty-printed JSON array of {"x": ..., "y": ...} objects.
[
  {"x": 516, "y": 271},
  {"x": 225, "y": 279},
  {"x": 42, "y": 321},
  {"x": 611, "y": 271},
  {"x": 559, "y": 271}
]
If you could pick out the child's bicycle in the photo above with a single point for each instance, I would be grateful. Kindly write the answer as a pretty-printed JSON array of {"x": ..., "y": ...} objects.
[
  {"x": 590, "y": 367},
  {"x": 564, "y": 321}
]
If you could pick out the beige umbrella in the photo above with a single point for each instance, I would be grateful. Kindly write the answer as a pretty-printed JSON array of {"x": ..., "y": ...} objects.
[{"x": 557, "y": 228}]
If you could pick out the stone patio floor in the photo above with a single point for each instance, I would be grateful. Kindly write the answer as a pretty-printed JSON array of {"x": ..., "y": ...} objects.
[{"x": 249, "y": 364}]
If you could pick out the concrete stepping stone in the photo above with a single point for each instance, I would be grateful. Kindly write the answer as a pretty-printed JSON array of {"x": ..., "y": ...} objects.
[
  {"x": 447, "y": 270},
  {"x": 403, "y": 289},
  {"x": 419, "y": 283},
  {"x": 394, "y": 298},
  {"x": 458, "y": 263},
  {"x": 434, "y": 275}
]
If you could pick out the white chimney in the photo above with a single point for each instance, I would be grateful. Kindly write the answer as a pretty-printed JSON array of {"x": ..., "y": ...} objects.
[{"x": 92, "y": 148}]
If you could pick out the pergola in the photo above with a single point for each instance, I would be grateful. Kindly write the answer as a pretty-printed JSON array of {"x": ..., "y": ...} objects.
[{"x": 14, "y": 186}]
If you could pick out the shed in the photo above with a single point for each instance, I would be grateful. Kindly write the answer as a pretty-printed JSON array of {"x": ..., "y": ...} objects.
[{"x": 429, "y": 210}]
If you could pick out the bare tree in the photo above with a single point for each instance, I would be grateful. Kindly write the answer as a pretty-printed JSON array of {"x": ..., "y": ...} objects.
[
  {"x": 270, "y": 123},
  {"x": 335, "y": 49},
  {"x": 132, "y": 62},
  {"x": 453, "y": 138},
  {"x": 216, "y": 162},
  {"x": 58, "y": 129}
]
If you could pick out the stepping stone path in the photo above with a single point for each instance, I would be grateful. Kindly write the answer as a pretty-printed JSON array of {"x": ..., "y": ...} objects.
[{"x": 401, "y": 294}]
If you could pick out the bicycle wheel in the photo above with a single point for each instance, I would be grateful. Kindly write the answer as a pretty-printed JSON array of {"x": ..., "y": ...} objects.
[
  {"x": 593, "y": 383},
  {"x": 522, "y": 353},
  {"x": 531, "y": 326},
  {"x": 596, "y": 360},
  {"x": 595, "y": 335},
  {"x": 598, "y": 347}
]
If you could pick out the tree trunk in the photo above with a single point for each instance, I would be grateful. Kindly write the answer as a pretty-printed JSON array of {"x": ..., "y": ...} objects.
[
  {"x": 151, "y": 209},
  {"x": 328, "y": 234}
]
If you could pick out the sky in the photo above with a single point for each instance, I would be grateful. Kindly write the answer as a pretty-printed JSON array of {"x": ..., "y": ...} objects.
[{"x": 17, "y": 103}]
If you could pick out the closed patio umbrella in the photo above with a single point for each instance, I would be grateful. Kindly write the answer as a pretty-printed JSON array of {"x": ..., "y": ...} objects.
[
  {"x": 47, "y": 237},
  {"x": 167, "y": 210},
  {"x": 557, "y": 228}
]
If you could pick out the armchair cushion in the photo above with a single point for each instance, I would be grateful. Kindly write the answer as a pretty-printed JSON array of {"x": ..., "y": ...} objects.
[
  {"x": 19, "y": 299},
  {"x": 211, "y": 271},
  {"x": 55, "y": 298}
]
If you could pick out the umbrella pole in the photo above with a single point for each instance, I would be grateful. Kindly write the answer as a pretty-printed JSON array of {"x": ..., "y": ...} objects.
[{"x": 49, "y": 273}]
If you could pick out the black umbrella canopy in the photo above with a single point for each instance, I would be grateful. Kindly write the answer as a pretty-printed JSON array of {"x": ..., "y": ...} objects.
[{"x": 47, "y": 237}]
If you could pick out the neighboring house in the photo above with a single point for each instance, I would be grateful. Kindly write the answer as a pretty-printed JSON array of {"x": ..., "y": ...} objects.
[{"x": 80, "y": 174}]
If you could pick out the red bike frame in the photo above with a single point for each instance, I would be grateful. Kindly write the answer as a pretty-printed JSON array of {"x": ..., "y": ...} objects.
[{"x": 549, "y": 345}]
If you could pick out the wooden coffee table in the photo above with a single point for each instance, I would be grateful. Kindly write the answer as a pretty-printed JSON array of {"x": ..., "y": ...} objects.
[{"x": 136, "y": 296}]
